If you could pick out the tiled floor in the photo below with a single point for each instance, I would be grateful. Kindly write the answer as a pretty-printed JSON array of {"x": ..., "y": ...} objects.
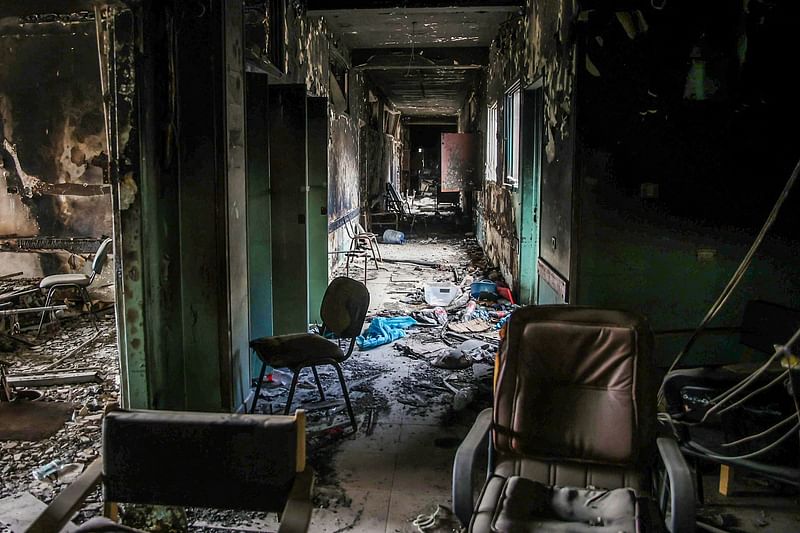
[{"x": 381, "y": 481}]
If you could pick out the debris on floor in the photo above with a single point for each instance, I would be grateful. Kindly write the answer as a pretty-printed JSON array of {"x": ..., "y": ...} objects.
[{"x": 77, "y": 388}]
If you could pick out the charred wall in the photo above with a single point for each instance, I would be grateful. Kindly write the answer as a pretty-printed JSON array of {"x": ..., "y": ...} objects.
[
  {"x": 537, "y": 46},
  {"x": 361, "y": 156},
  {"x": 683, "y": 151},
  {"x": 53, "y": 142}
]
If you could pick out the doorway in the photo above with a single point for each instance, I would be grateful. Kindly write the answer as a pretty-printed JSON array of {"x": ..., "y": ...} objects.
[{"x": 531, "y": 142}]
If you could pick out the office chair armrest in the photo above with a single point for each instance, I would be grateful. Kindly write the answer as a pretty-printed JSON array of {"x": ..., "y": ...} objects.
[
  {"x": 67, "y": 503},
  {"x": 296, "y": 516},
  {"x": 681, "y": 489},
  {"x": 466, "y": 455}
]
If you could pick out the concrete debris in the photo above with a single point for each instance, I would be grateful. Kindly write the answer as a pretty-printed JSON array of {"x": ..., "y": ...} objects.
[{"x": 79, "y": 441}]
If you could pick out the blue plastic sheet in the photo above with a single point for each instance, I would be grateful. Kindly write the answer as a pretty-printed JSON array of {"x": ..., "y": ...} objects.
[{"x": 384, "y": 330}]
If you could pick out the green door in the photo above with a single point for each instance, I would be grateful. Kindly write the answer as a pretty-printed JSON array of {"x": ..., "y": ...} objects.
[{"x": 531, "y": 142}]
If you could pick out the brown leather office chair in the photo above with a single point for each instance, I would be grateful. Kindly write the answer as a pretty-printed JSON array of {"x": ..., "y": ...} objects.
[
  {"x": 216, "y": 460},
  {"x": 573, "y": 444}
]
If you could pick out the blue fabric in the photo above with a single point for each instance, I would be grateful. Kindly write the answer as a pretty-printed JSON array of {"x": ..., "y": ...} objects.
[{"x": 384, "y": 330}]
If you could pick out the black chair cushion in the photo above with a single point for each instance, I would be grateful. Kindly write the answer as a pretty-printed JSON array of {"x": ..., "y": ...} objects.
[
  {"x": 297, "y": 349},
  {"x": 522, "y": 505},
  {"x": 199, "y": 459}
]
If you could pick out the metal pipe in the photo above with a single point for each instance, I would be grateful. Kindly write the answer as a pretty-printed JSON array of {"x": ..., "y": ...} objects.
[{"x": 11, "y": 312}]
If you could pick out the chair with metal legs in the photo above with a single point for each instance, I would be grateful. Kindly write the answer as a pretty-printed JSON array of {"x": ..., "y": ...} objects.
[
  {"x": 76, "y": 281},
  {"x": 343, "y": 310}
]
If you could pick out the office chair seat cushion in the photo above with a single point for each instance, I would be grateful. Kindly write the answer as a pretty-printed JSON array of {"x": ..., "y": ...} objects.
[
  {"x": 81, "y": 280},
  {"x": 295, "y": 349},
  {"x": 523, "y": 505}
]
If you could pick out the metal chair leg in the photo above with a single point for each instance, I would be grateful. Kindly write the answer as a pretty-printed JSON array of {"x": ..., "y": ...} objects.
[
  {"x": 319, "y": 384},
  {"x": 88, "y": 301},
  {"x": 291, "y": 391},
  {"x": 46, "y": 304},
  {"x": 346, "y": 396},
  {"x": 258, "y": 386}
]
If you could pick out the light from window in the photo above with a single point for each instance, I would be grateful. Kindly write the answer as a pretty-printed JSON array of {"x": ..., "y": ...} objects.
[
  {"x": 513, "y": 117},
  {"x": 491, "y": 143}
]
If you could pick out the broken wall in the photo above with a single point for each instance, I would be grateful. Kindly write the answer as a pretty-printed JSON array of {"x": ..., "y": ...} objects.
[
  {"x": 537, "y": 46},
  {"x": 53, "y": 144},
  {"x": 683, "y": 153}
]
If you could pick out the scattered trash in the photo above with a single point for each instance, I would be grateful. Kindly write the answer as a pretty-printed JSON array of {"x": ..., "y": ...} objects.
[
  {"x": 452, "y": 359},
  {"x": 50, "y": 469},
  {"x": 442, "y": 519},
  {"x": 468, "y": 312},
  {"x": 384, "y": 330},
  {"x": 441, "y": 315},
  {"x": 484, "y": 286},
  {"x": 762, "y": 520},
  {"x": 472, "y": 326},
  {"x": 391, "y": 236},
  {"x": 441, "y": 294},
  {"x": 505, "y": 293}
]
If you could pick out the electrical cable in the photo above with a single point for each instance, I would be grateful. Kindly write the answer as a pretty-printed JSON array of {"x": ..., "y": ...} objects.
[
  {"x": 737, "y": 275},
  {"x": 779, "y": 377},
  {"x": 763, "y": 450},
  {"x": 765, "y": 432}
]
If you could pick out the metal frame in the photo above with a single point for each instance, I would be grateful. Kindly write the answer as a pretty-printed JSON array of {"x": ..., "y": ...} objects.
[
  {"x": 676, "y": 488},
  {"x": 296, "y": 374}
]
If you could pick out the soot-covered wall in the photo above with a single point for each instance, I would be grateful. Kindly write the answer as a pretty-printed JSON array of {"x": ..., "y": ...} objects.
[
  {"x": 537, "y": 46},
  {"x": 52, "y": 125},
  {"x": 684, "y": 146}
]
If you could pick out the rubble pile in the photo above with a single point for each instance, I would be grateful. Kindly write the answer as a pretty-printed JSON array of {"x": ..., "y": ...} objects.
[{"x": 78, "y": 443}]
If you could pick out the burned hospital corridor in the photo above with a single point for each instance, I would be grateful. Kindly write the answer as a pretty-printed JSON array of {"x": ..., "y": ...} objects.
[{"x": 399, "y": 266}]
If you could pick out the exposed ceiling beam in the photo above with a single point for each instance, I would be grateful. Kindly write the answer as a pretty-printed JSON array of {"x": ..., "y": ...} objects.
[
  {"x": 319, "y": 6},
  {"x": 426, "y": 58},
  {"x": 22, "y": 8}
]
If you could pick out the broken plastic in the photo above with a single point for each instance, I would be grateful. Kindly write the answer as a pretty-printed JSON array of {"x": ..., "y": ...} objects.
[
  {"x": 50, "y": 469},
  {"x": 441, "y": 293}
]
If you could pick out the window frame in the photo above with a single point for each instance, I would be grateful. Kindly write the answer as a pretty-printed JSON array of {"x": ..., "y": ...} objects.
[
  {"x": 490, "y": 172},
  {"x": 512, "y": 133}
]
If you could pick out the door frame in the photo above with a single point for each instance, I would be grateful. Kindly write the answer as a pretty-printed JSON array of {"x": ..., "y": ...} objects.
[{"x": 531, "y": 142}]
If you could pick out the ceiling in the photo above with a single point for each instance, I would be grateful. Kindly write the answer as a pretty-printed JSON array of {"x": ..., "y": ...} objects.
[
  {"x": 428, "y": 27},
  {"x": 422, "y": 58}
]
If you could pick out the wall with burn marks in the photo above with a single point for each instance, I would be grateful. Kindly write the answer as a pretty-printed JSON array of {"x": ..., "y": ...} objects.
[
  {"x": 682, "y": 155},
  {"x": 537, "y": 46},
  {"x": 52, "y": 125},
  {"x": 343, "y": 182},
  {"x": 360, "y": 156}
]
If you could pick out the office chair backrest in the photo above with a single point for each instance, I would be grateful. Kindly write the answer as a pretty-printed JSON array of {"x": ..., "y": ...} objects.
[
  {"x": 100, "y": 257},
  {"x": 344, "y": 307},
  {"x": 575, "y": 385},
  {"x": 202, "y": 459}
]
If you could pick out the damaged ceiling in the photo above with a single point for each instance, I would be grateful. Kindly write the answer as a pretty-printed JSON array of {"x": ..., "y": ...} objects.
[
  {"x": 26, "y": 8},
  {"x": 423, "y": 56}
]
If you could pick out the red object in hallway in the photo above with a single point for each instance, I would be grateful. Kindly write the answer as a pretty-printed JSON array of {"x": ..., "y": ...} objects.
[{"x": 505, "y": 292}]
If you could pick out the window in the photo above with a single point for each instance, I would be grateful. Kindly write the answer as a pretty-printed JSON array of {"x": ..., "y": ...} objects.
[
  {"x": 512, "y": 115},
  {"x": 491, "y": 143}
]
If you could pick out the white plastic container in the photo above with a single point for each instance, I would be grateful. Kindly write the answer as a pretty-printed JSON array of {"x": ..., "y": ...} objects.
[{"x": 441, "y": 294}]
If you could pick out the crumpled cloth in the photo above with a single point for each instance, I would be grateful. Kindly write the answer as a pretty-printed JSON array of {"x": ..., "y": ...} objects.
[{"x": 384, "y": 330}]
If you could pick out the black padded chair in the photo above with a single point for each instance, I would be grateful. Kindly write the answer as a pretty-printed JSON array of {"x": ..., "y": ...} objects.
[
  {"x": 344, "y": 307},
  {"x": 78, "y": 281},
  {"x": 572, "y": 436},
  {"x": 187, "y": 459}
]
